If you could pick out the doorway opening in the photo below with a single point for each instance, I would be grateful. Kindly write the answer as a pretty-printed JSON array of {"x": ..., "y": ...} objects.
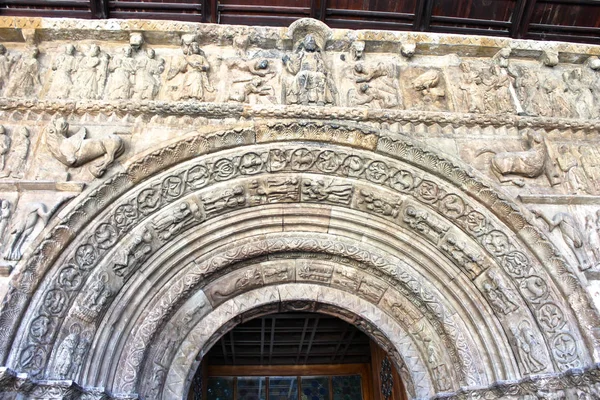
[{"x": 296, "y": 356}]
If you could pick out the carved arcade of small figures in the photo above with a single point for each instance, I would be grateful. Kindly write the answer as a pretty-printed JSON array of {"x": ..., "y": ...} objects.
[
  {"x": 71, "y": 351},
  {"x": 188, "y": 75},
  {"x": 77, "y": 150},
  {"x": 310, "y": 82}
]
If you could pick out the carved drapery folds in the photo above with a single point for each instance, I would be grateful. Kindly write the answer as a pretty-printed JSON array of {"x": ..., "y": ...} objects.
[{"x": 272, "y": 199}]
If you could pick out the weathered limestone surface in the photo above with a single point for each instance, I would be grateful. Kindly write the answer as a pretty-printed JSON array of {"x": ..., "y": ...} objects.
[{"x": 161, "y": 182}]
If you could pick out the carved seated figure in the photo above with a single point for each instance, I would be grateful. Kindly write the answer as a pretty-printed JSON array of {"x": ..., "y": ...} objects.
[{"x": 311, "y": 83}]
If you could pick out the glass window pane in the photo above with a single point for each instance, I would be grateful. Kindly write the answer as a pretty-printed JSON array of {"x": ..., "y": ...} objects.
[
  {"x": 315, "y": 388},
  {"x": 251, "y": 388},
  {"x": 283, "y": 388},
  {"x": 220, "y": 389},
  {"x": 347, "y": 388}
]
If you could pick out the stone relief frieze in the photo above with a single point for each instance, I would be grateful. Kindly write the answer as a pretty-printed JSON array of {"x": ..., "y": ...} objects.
[
  {"x": 75, "y": 150},
  {"x": 14, "y": 151}
]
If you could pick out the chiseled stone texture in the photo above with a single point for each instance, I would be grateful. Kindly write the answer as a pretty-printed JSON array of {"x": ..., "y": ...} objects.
[{"x": 161, "y": 182}]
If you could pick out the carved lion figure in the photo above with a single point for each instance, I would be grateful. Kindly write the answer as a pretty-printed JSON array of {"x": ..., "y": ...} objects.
[{"x": 76, "y": 150}]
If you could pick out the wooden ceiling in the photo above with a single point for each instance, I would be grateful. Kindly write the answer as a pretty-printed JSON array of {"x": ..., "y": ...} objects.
[
  {"x": 563, "y": 20},
  {"x": 292, "y": 339}
]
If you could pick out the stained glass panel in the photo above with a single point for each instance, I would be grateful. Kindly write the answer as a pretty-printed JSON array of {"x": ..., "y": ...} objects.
[
  {"x": 220, "y": 389},
  {"x": 347, "y": 388},
  {"x": 251, "y": 388},
  {"x": 283, "y": 388},
  {"x": 315, "y": 388}
]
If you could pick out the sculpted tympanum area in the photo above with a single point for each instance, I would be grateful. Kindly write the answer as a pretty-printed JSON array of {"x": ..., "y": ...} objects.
[{"x": 160, "y": 186}]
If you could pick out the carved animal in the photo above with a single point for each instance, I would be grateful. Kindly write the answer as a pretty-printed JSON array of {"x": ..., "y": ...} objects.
[
  {"x": 76, "y": 150},
  {"x": 529, "y": 163}
]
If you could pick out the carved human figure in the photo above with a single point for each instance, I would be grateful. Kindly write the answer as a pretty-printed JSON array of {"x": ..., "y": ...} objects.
[
  {"x": 553, "y": 89},
  {"x": 64, "y": 66},
  {"x": 66, "y": 352},
  {"x": 133, "y": 254},
  {"x": 170, "y": 224},
  {"x": 6, "y": 64},
  {"x": 147, "y": 77},
  {"x": 531, "y": 95},
  {"x": 192, "y": 72},
  {"x": 440, "y": 370},
  {"x": 530, "y": 163},
  {"x": 574, "y": 176},
  {"x": 580, "y": 93},
  {"x": 530, "y": 350},
  {"x": 24, "y": 76},
  {"x": 96, "y": 297},
  {"x": 311, "y": 83},
  {"x": 498, "y": 295},
  {"x": 91, "y": 74},
  {"x": 17, "y": 158},
  {"x": 33, "y": 214},
  {"x": 76, "y": 150},
  {"x": 4, "y": 218},
  {"x": 470, "y": 97},
  {"x": 571, "y": 234},
  {"x": 253, "y": 81},
  {"x": 375, "y": 84},
  {"x": 4, "y": 146},
  {"x": 120, "y": 81},
  {"x": 590, "y": 161},
  {"x": 592, "y": 231}
]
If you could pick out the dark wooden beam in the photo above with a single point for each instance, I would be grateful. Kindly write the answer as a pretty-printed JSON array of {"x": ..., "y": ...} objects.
[
  {"x": 423, "y": 15},
  {"x": 272, "y": 339},
  {"x": 262, "y": 339},
  {"x": 521, "y": 18},
  {"x": 310, "y": 341},
  {"x": 99, "y": 9},
  {"x": 301, "y": 344},
  {"x": 232, "y": 346},
  {"x": 339, "y": 342}
]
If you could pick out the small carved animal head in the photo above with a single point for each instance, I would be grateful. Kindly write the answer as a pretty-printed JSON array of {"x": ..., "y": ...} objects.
[{"x": 58, "y": 127}]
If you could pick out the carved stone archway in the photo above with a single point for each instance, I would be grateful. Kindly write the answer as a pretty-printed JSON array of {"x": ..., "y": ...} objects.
[{"x": 451, "y": 273}]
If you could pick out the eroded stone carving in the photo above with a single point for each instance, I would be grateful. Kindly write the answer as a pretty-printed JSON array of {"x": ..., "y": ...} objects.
[
  {"x": 76, "y": 150},
  {"x": 530, "y": 163},
  {"x": 571, "y": 234},
  {"x": 18, "y": 154},
  {"x": 5, "y": 213},
  {"x": 64, "y": 67},
  {"x": 119, "y": 85},
  {"x": 498, "y": 294},
  {"x": 188, "y": 75},
  {"x": 71, "y": 351},
  {"x": 96, "y": 298},
  {"x": 32, "y": 216},
  {"x": 147, "y": 81},
  {"x": 6, "y": 63},
  {"x": 24, "y": 76},
  {"x": 91, "y": 73},
  {"x": 310, "y": 82},
  {"x": 532, "y": 357}
]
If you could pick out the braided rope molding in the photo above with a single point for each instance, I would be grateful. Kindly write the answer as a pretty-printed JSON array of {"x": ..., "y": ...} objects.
[{"x": 245, "y": 111}]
